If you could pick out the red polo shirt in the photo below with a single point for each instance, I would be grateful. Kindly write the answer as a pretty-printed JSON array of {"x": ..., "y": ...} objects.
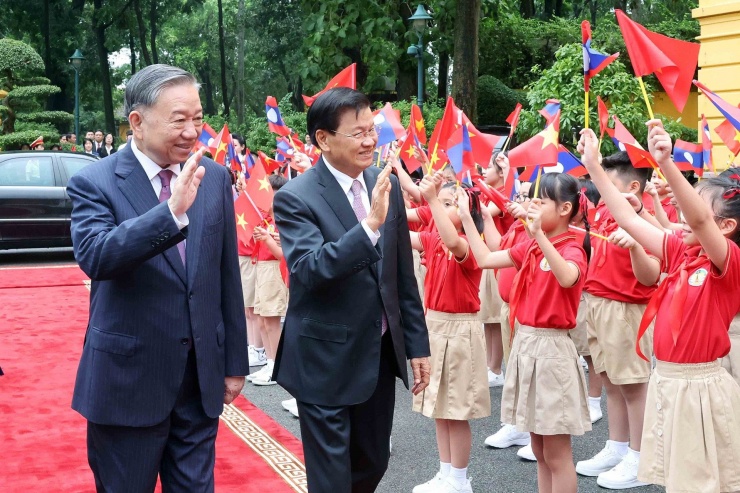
[
  {"x": 610, "y": 272},
  {"x": 450, "y": 286},
  {"x": 517, "y": 234},
  {"x": 544, "y": 303},
  {"x": 670, "y": 210},
  {"x": 711, "y": 303}
]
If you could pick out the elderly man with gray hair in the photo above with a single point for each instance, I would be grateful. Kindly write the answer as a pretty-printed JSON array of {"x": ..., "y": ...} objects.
[{"x": 165, "y": 347}]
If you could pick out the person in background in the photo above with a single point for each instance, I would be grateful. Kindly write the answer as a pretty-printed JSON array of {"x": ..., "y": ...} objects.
[
  {"x": 98, "y": 142},
  {"x": 38, "y": 144},
  {"x": 107, "y": 148},
  {"x": 63, "y": 139},
  {"x": 89, "y": 148},
  {"x": 129, "y": 135}
]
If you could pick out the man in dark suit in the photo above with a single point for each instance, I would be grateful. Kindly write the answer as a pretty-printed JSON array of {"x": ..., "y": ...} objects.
[
  {"x": 165, "y": 346},
  {"x": 354, "y": 313}
]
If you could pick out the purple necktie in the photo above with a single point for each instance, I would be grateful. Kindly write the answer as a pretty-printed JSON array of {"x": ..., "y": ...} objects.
[
  {"x": 361, "y": 214},
  {"x": 166, "y": 177}
]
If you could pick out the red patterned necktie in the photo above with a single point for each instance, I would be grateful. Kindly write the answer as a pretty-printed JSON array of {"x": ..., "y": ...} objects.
[
  {"x": 166, "y": 177},
  {"x": 361, "y": 214}
]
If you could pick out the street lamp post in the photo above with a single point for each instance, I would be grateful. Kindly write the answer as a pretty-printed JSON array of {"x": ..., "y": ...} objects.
[
  {"x": 419, "y": 23},
  {"x": 76, "y": 61}
]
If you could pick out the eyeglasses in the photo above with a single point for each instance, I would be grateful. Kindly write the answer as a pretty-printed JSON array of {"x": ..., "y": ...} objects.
[
  {"x": 368, "y": 134},
  {"x": 521, "y": 198}
]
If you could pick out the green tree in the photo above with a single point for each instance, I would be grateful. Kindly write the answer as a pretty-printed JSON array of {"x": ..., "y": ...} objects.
[{"x": 21, "y": 110}]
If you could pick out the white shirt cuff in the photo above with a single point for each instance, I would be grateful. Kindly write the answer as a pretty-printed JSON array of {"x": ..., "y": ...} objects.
[
  {"x": 181, "y": 220},
  {"x": 374, "y": 237}
]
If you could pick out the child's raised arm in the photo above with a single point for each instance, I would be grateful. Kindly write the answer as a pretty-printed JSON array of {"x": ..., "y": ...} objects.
[
  {"x": 404, "y": 179},
  {"x": 645, "y": 233},
  {"x": 485, "y": 258},
  {"x": 429, "y": 187},
  {"x": 696, "y": 212}
]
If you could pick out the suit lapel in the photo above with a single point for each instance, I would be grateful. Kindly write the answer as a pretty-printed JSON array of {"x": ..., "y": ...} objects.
[
  {"x": 371, "y": 179},
  {"x": 137, "y": 189},
  {"x": 335, "y": 197}
]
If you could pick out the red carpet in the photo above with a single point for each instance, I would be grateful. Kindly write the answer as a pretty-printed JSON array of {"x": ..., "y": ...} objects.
[{"x": 43, "y": 315}]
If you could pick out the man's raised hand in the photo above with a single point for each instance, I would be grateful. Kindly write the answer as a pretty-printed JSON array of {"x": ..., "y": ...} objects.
[
  {"x": 186, "y": 186},
  {"x": 380, "y": 199}
]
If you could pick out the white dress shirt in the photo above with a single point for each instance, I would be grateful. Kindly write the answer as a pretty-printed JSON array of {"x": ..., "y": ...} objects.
[
  {"x": 152, "y": 170},
  {"x": 345, "y": 182}
]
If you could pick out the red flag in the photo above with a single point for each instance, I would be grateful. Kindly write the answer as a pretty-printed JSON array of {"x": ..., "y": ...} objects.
[
  {"x": 639, "y": 157},
  {"x": 346, "y": 78},
  {"x": 730, "y": 136},
  {"x": 542, "y": 149},
  {"x": 483, "y": 144},
  {"x": 492, "y": 195},
  {"x": 258, "y": 187},
  {"x": 621, "y": 136},
  {"x": 442, "y": 133},
  {"x": 417, "y": 120},
  {"x": 513, "y": 119},
  {"x": 411, "y": 146},
  {"x": 247, "y": 218},
  {"x": 603, "y": 117},
  {"x": 269, "y": 164},
  {"x": 221, "y": 145},
  {"x": 673, "y": 61}
]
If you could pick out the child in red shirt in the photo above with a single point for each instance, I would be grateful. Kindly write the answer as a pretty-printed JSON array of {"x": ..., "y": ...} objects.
[
  {"x": 458, "y": 386},
  {"x": 691, "y": 438},
  {"x": 545, "y": 389}
]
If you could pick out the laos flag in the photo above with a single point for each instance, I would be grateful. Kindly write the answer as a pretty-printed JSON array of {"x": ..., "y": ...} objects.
[
  {"x": 567, "y": 163},
  {"x": 593, "y": 61}
]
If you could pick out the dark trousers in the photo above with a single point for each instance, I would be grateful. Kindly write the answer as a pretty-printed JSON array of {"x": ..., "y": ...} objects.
[
  {"x": 181, "y": 449},
  {"x": 346, "y": 448}
]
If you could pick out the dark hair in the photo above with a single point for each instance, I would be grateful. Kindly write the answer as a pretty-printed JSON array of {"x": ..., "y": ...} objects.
[
  {"x": 474, "y": 203},
  {"x": 86, "y": 140},
  {"x": 592, "y": 193},
  {"x": 326, "y": 111},
  {"x": 562, "y": 188},
  {"x": 241, "y": 141},
  {"x": 620, "y": 162},
  {"x": 277, "y": 182},
  {"x": 724, "y": 192}
]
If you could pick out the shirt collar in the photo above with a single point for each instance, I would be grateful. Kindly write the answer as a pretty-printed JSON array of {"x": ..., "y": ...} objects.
[
  {"x": 345, "y": 181},
  {"x": 151, "y": 168}
]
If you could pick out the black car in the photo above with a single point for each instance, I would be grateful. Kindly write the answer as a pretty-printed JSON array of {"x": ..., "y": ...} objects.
[{"x": 34, "y": 206}]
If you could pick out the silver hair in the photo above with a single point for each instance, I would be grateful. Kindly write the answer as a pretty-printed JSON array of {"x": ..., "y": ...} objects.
[{"x": 148, "y": 83}]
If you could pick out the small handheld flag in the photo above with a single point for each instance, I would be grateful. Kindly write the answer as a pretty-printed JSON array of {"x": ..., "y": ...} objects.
[
  {"x": 593, "y": 61},
  {"x": 346, "y": 78},
  {"x": 730, "y": 136},
  {"x": 460, "y": 152},
  {"x": 688, "y": 156},
  {"x": 732, "y": 113},
  {"x": 417, "y": 120},
  {"x": 706, "y": 145},
  {"x": 274, "y": 119},
  {"x": 388, "y": 126}
]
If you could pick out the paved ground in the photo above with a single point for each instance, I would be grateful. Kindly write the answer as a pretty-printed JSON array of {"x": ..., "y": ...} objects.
[{"x": 414, "y": 458}]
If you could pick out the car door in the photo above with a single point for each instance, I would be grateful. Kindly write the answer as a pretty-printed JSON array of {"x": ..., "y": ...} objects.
[
  {"x": 69, "y": 165},
  {"x": 31, "y": 202}
]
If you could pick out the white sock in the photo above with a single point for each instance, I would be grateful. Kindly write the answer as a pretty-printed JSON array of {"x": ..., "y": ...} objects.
[
  {"x": 619, "y": 447},
  {"x": 459, "y": 475},
  {"x": 444, "y": 469},
  {"x": 250, "y": 346},
  {"x": 259, "y": 349},
  {"x": 594, "y": 401},
  {"x": 634, "y": 453}
]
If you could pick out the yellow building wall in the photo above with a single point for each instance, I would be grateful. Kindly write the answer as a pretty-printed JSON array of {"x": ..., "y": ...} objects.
[
  {"x": 663, "y": 105},
  {"x": 719, "y": 64}
]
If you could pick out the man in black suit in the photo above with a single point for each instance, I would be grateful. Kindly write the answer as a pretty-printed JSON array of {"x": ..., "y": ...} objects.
[
  {"x": 165, "y": 347},
  {"x": 354, "y": 314}
]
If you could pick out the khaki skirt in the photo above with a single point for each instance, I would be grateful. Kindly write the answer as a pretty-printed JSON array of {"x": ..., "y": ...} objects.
[
  {"x": 490, "y": 300},
  {"x": 247, "y": 270},
  {"x": 731, "y": 362},
  {"x": 691, "y": 435},
  {"x": 580, "y": 333},
  {"x": 458, "y": 384},
  {"x": 545, "y": 387},
  {"x": 271, "y": 293}
]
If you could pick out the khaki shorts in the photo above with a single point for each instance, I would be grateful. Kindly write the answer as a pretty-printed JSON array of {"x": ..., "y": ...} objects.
[
  {"x": 579, "y": 334},
  {"x": 505, "y": 331},
  {"x": 731, "y": 362},
  {"x": 248, "y": 271},
  {"x": 458, "y": 384},
  {"x": 271, "y": 293},
  {"x": 691, "y": 435},
  {"x": 545, "y": 387},
  {"x": 490, "y": 300},
  {"x": 612, "y": 331}
]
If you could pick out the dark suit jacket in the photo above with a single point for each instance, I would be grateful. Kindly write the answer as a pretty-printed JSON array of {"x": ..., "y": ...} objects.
[
  {"x": 144, "y": 303},
  {"x": 103, "y": 152},
  {"x": 329, "y": 352}
]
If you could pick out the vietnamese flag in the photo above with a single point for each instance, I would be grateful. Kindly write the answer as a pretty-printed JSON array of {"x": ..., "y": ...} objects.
[
  {"x": 268, "y": 164},
  {"x": 513, "y": 119},
  {"x": 221, "y": 145},
  {"x": 411, "y": 146},
  {"x": 621, "y": 136},
  {"x": 248, "y": 217},
  {"x": 730, "y": 136},
  {"x": 259, "y": 188},
  {"x": 639, "y": 157},
  {"x": 542, "y": 149},
  {"x": 483, "y": 144},
  {"x": 388, "y": 125},
  {"x": 346, "y": 78},
  {"x": 442, "y": 133},
  {"x": 603, "y": 117},
  {"x": 688, "y": 156},
  {"x": 671, "y": 60},
  {"x": 417, "y": 120},
  {"x": 493, "y": 195}
]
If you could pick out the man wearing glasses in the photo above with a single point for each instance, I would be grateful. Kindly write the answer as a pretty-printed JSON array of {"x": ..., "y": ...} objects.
[{"x": 354, "y": 314}]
